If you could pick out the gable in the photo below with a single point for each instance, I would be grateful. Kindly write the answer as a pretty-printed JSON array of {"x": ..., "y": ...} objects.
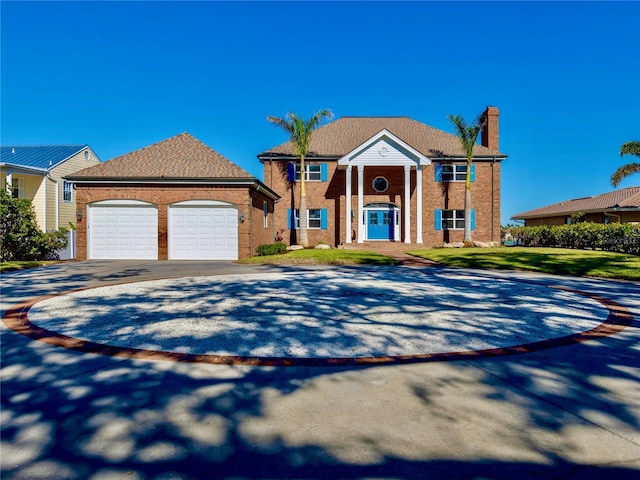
[{"x": 384, "y": 149}]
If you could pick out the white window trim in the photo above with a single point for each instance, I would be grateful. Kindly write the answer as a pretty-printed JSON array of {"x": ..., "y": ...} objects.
[
  {"x": 297, "y": 218},
  {"x": 458, "y": 216},
  {"x": 265, "y": 211},
  {"x": 458, "y": 169},
  {"x": 64, "y": 191},
  {"x": 19, "y": 187},
  {"x": 307, "y": 172}
]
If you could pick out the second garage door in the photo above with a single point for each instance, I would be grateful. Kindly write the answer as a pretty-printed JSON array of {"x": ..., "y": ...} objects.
[{"x": 205, "y": 230}]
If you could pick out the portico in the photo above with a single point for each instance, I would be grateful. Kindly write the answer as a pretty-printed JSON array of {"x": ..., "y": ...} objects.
[{"x": 383, "y": 150}]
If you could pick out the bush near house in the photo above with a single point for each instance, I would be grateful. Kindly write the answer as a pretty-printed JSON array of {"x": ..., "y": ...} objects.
[
  {"x": 614, "y": 237},
  {"x": 271, "y": 249},
  {"x": 20, "y": 236}
]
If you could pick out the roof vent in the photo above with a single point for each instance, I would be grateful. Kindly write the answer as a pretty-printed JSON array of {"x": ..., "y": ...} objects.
[{"x": 13, "y": 150}]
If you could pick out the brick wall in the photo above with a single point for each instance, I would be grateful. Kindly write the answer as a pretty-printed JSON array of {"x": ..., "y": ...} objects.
[
  {"x": 485, "y": 199},
  {"x": 250, "y": 232}
]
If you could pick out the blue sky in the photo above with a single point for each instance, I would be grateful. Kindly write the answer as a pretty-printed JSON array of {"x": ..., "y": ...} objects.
[{"x": 123, "y": 75}]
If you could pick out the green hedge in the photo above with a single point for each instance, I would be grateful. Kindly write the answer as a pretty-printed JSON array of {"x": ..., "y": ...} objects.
[
  {"x": 271, "y": 249},
  {"x": 614, "y": 237}
]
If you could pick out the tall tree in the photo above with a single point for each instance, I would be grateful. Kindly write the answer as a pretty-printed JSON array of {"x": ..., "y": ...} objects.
[
  {"x": 468, "y": 135},
  {"x": 299, "y": 131},
  {"x": 628, "y": 148}
]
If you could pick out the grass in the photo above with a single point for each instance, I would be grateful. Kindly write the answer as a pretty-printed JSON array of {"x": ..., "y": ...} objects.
[
  {"x": 560, "y": 261},
  {"x": 323, "y": 257},
  {"x": 22, "y": 265}
]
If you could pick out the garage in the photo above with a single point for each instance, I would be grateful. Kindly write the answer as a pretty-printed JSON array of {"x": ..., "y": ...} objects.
[
  {"x": 203, "y": 230},
  {"x": 123, "y": 229}
]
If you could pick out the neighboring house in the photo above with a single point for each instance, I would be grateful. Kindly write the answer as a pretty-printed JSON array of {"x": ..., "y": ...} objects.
[
  {"x": 35, "y": 173},
  {"x": 388, "y": 179},
  {"x": 621, "y": 206},
  {"x": 176, "y": 199}
]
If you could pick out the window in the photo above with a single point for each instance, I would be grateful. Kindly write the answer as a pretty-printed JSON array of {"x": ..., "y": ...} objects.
[
  {"x": 452, "y": 219},
  {"x": 67, "y": 191},
  {"x": 265, "y": 209},
  {"x": 380, "y": 184},
  {"x": 447, "y": 172},
  {"x": 17, "y": 187},
  {"x": 316, "y": 218},
  {"x": 314, "y": 172}
]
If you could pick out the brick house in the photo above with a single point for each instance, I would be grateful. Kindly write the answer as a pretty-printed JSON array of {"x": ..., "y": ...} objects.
[
  {"x": 36, "y": 172},
  {"x": 618, "y": 206},
  {"x": 383, "y": 180},
  {"x": 176, "y": 199}
]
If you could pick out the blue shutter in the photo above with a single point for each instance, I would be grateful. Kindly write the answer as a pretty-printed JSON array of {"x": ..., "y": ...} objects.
[
  {"x": 292, "y": 218},
  {"x": 473, "y": 172},
  {"x": 473, "y": 219},
  {"x": 291, "y": 172},
  {"x": 324, "y": 224},
  {"x": 324, "y": 172},
  {"x": 438, "y": 219},
  {"x": 437, "y": 172}
]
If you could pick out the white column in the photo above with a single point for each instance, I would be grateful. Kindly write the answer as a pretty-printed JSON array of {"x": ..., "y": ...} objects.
[
  {"x": 360, "y": 203},
  {"x": 347, "y": 215},
  {"x": 419, "y": 205},
  {"x": 407, "y": 204},
  {"x": 9, "y": 185}
]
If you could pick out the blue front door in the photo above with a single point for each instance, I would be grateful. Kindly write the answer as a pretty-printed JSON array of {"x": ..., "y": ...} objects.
[{"x": 380, "y": 224}]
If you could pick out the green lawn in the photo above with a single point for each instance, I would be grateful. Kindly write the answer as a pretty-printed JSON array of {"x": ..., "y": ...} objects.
[
  {"x": 10, "y": 266},
  {"x": 323, "y": 257},
  {"x": 588, "y": 263}
]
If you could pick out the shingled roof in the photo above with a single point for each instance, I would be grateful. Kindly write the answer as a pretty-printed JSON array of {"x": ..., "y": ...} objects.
[
  {"x": 180, "y": 157},
  {"x": 625, "y": 198},
  {"x": 342, "y": 136}
]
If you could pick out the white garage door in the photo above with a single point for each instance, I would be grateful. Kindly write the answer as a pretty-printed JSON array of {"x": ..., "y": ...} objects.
[
  {"x": 122, "y": 229},
  {"x": 203, "y": 231}
]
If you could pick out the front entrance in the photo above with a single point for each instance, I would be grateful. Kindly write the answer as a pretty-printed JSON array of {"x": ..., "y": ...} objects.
[{"x": 383, "y": 222}]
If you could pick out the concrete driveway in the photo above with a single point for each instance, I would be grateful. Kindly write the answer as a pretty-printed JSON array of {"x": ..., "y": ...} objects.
[{"x": 566, "y": 412}]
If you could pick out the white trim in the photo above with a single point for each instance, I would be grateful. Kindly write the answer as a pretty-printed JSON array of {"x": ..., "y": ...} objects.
[
  {"x": 407, "y": 204},
  {"x": 361, "y": 220},
  {"x": 382, "y": 206},
  {"x": 202, "y": 203},
  {"x": 348, "y": 207},
  {"x": 120, "y": 202},
  {"x": 419, "y": 159},
  {"x": 419, "y": 204}
]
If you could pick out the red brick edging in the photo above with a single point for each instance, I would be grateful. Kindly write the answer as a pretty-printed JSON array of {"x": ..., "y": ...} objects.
[{"x": 17, "y": 320}]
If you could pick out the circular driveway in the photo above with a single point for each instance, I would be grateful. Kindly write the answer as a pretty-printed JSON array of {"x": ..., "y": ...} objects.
[{"x": 319, "y": 316}]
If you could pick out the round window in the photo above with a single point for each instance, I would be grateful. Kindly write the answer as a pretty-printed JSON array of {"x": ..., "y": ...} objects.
[{"x": 380, "y": 184}]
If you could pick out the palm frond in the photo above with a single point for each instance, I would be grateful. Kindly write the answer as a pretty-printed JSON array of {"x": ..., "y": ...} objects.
[
  {"x": 624, "y": 171},
  {"x": 630, "y": 148}
]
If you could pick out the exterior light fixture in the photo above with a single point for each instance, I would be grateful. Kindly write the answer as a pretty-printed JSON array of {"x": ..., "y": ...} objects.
[
  {"x": 242, "y": 217},
  {"x": 79, "y": 215}
]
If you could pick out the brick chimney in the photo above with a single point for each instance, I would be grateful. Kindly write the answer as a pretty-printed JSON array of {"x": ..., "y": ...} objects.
[{"x": 490, "y": 129}]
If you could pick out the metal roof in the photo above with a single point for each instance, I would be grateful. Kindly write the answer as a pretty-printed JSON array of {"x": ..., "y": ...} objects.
[{"x": 43, "y": 157}]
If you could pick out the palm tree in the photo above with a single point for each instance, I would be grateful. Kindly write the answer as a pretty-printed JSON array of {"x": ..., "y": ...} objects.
[
  {"x": 467, "y": 134},
  {"x": 299, "y": 132},
  {"x": 628, "y": 148}
]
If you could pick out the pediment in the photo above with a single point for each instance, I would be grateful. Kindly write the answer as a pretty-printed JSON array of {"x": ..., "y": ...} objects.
[{"x": 384, "y": 149}]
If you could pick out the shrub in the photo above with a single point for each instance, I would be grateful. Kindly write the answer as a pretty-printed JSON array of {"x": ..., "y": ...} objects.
[
  {"x": 614, "y": 237},
  {"x": 271, "y": 249},
  {"x": 20, "y": 236}
]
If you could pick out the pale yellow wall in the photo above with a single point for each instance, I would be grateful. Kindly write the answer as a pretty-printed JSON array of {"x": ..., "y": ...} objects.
[
  {"x": 33, "y": 190},
  {"x": 67, "y": 210}
]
